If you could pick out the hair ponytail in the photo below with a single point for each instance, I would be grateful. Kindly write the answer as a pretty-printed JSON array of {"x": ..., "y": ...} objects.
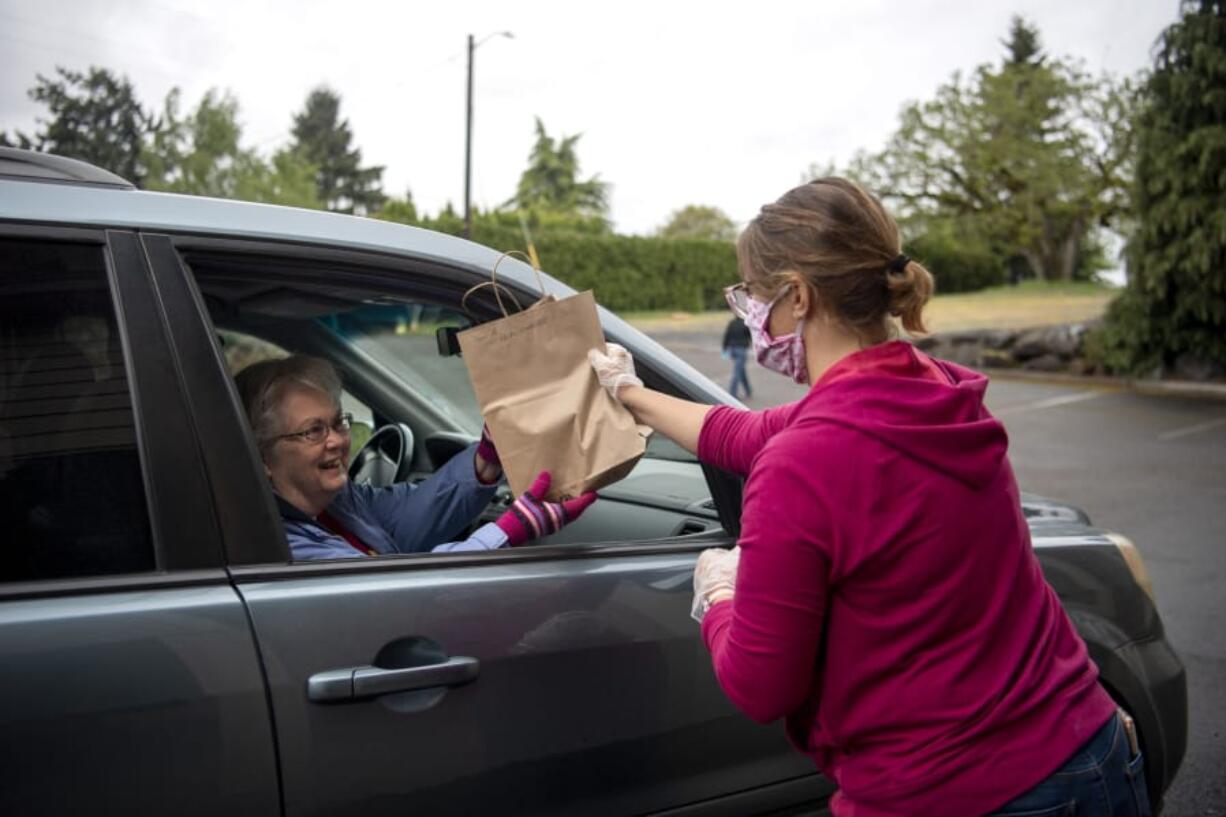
[{"x": 910, "y": 288}]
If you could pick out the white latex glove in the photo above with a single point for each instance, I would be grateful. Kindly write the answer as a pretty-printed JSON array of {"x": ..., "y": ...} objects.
[
  {"x": 616, "y": 369},
  {"x": 714, "y": 573}
]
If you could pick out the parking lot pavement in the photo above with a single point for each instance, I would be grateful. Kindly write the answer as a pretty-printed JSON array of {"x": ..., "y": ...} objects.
[{"x": 1148, "y": 466}]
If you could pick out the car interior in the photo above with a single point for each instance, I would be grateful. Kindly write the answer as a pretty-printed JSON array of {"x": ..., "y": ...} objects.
[{"x": 409, "y": 391}]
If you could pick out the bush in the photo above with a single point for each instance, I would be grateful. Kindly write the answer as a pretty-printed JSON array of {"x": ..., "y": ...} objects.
[{"x": 959, "y": 262}]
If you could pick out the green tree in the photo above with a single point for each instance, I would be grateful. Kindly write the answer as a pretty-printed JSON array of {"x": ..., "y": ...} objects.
[
  {"x": 1173, "y": 312},
  {"x": 551, "y": 182},
  {"x": 1024, "y": 43},
  {"x": 202, "y": 155},
  {"x": 324, "y": 139},
  {"x": 286, "y": 178},
  {"x": 1033, "y": 156},
  {"x": 699, "y": 221},
  {"x": 93, "y": 116},
  {"x": 403, "y": 210}
]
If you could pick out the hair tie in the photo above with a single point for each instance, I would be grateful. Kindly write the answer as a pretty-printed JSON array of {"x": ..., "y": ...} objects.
[{"x": 898, "y": 264}]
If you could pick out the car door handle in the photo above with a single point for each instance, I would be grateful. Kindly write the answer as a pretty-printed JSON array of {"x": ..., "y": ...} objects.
[{"x": 358, "y": 683}]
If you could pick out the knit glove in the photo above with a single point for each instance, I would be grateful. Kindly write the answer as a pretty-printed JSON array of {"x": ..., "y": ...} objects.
[
  {"x": 531, "y": 517},
  {"x": 714, "y": 574},
  {"x": 615, "y": 369}
]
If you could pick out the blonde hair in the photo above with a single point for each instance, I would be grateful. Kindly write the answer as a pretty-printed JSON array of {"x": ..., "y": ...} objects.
[{"x": 839, "y": 239}]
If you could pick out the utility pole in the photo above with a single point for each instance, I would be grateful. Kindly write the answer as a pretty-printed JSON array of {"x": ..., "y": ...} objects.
[
  {"x": 468, "y": 147},
  {"x": 468, "y": 133}
]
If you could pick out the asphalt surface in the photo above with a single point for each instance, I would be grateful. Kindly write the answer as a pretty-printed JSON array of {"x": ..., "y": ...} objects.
[{"x": 1150, "y": 467}]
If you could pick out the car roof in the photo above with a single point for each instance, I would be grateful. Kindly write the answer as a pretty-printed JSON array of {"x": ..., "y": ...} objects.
[
  {"x": 88, "y": 206},
  {"x": 71, "y": 205}
]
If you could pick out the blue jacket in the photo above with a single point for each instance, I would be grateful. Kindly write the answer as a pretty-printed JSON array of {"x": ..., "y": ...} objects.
[{"x": 400, "y": 518}]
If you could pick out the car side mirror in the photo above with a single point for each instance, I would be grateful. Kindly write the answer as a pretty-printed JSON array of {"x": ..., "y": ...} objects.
[{"x": 448, "y": 342}]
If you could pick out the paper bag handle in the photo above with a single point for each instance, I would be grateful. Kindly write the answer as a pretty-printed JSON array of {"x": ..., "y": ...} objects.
[{"x": 493, "y": 282}]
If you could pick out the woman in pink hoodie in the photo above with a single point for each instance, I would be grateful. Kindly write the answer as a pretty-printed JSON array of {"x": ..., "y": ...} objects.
[{"x": 883, "y": 597}]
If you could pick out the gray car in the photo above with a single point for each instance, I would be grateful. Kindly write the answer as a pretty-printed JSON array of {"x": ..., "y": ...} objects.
[{"x": 161, "y": 654}]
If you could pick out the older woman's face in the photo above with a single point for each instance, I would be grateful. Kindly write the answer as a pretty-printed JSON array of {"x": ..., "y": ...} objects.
[{"x": 308, "y": 475}]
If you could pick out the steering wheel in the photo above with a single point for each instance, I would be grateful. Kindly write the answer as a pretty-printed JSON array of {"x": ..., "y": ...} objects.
[{"x": 386, "y": 458}]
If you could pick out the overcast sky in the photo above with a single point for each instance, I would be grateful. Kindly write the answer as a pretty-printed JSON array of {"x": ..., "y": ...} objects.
[{"x": 678, "y": 103}]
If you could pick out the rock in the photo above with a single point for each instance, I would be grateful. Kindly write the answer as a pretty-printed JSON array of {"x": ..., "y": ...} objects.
[
  {"x": 1064, "y": 340},
  {"x": 1029, "y": 344},
  {"x": 1046, "y": 363},
  {"x": 1193, "y": 367},
  {"x": 1048, "y": 340},
  {"x": 998, "y": 359},
  {"x": 998, "y": 338}
]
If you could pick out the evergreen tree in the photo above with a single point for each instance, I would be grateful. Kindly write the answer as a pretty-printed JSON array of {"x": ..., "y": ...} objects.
[
  {"x": 1173, "y": 312},
  {"x": 323, "y": 138},
  {"x": 1023, "y": 45},
  {"x": 551, "y": 182},
  {"x": 94, "y": 117}
]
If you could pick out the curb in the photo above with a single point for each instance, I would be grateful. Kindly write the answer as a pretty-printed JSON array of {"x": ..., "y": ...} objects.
[{"x": 1161, "y": 388}]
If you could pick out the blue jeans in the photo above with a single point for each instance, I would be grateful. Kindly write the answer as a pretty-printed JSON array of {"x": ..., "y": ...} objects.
[
  {"x": 738, "y": 354},
  {"x": 1102, "y": 779}
]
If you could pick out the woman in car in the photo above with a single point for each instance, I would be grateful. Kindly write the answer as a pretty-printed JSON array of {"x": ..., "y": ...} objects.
[
  {"x": 884, "y": 597},
  {"x": 293, "y": 405}
]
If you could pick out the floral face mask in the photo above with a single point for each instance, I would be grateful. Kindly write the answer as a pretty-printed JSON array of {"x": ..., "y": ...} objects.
[{"x": 784, "y": 354}]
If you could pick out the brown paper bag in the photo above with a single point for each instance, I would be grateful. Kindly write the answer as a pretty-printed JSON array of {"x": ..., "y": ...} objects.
[{"x": 544, "y": 406}]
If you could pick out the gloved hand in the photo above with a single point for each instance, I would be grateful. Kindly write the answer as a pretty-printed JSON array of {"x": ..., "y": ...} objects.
[
  {"x": 487, "y": 465},
  {"x": 714, "y": 578},
  {"x": 616, "y": 369},
  {"x": 531, "y": 517}
]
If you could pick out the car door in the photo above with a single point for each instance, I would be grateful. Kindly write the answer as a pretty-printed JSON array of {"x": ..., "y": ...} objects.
[
  {"x": 130, "y": 679},
  {"x": 553, "y": 679}
]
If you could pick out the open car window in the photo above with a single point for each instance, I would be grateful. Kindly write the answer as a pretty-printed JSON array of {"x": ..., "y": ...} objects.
[{"x": 384, "y": 341}]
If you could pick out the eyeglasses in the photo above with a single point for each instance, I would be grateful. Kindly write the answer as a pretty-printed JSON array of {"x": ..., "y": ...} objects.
[
  {"x": 317, "y": 432},
  {"x": 738, "y": 297}
]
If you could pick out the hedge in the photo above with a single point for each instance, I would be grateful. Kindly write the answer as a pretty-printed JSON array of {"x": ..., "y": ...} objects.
[
  {"x": 629, "y": 273},
  {"x": 637, "y": 273}
]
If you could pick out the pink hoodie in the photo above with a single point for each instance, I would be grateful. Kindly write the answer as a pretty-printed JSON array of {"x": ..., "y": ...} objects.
[{"x": 888, "y": 601}]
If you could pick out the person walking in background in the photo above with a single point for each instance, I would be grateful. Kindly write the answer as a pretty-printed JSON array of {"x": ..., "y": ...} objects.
[
  {"x": 736, "y": 348},
  {"x": 884, "y": 598}
]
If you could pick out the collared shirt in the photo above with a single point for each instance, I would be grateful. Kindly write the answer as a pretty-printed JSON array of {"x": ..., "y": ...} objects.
[{"x": 401, "y": 518}]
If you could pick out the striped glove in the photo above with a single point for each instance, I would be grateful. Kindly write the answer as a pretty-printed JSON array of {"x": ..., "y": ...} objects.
[{"x": 531, "y": 518}]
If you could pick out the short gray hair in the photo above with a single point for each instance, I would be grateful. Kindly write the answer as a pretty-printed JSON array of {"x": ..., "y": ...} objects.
[{"x": 262, "y": 386}]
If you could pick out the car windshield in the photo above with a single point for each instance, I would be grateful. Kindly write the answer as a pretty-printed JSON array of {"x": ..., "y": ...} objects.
[{"x": 402, "y": 338}]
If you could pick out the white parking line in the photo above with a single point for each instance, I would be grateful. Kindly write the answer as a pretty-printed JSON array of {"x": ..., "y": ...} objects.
[
  {"x": 1196, "y": 429},
  {"x": 1052, "y": 402}
]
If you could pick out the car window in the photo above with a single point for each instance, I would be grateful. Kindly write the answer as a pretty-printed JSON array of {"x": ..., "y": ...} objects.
[
  {"x": 71, "y": 494},
  {"x": 385, "y": 342}
]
